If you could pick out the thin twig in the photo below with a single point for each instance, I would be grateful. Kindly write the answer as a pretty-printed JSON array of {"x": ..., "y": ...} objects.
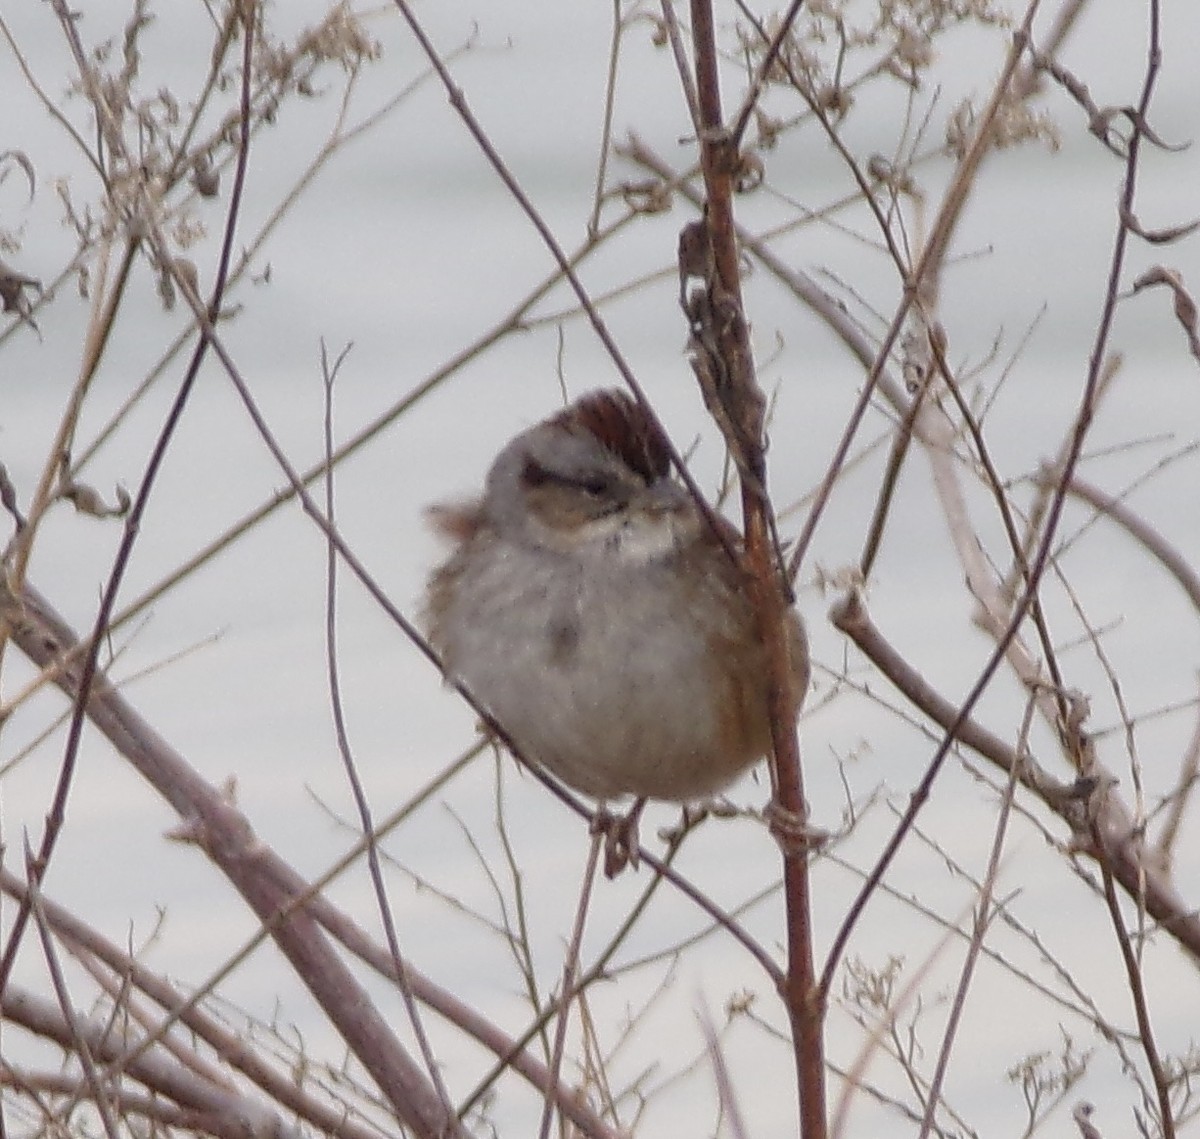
[
  {"x": 282, "y": 1087},
  {"x": 1040, "y": 560},
  {"x": 329, "y": 371},
  {"x": 1151, "y": 540},
  {"x": 57, "y": 813},
  {"x": 682, "y": 68},
  {"x": 995, "y": 485},
  {"x": 224, "y": 1115},
  {"x": 769, "y": 58},
  {"x": 985, "y": 911},
  {"x": 1181, "y": 797},
  {"x": 459, "y": 102},
  {"x": 610, "y": 97},
  {"x": 598, "y": 971},
  {"x": 79, "y": 1043},
  {"x": 570, "y": 970},
  {"x": 1137, "y": 991},
  {"x": 726, "y": 1090},
  {"x": 1139, "y": 877}
]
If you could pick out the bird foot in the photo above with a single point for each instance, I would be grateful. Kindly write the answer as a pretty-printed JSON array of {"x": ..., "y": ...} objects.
[
  {"x": 795, "y": 835},
  {"x": 620, "y": 837}
]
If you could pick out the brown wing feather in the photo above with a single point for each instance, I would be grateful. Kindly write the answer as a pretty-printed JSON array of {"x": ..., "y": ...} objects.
[{"x": 457, "y": 521}]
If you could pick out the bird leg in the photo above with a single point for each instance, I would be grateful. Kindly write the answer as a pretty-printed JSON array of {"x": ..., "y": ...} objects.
[{"x": 620, "y": 837}]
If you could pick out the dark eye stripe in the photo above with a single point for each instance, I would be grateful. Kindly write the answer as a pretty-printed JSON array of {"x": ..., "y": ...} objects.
[{"x": 534, "y": 474}]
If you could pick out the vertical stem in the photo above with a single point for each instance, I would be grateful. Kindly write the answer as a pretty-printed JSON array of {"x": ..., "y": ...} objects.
[{"x": 745, "y": 405}]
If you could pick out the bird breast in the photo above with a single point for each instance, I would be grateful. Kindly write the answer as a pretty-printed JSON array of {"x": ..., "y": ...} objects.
[{"x": 621, "y": 676}]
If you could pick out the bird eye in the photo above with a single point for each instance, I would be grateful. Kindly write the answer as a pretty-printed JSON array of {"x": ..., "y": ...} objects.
[
  {"x": 534, "y": 474},
  {"x": 595, "y": 485}
]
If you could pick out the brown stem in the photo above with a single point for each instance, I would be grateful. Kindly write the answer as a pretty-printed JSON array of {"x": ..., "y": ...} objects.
[
  {"x": 84, "y": 942},
  {"x": 1137, "y": 990},
  {"x": 277, "y": 900},
  {"x": 225, "y": 1114},
  {"x": 296, "y": 916},
  {"x": 743, "y": 404},
  {"x": 1109, "y": 835}
]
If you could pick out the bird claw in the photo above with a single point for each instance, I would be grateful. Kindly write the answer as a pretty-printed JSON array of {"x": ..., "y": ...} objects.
[
  {"x": 620, "y": 837},
  {"x": 795, "y": 835}
]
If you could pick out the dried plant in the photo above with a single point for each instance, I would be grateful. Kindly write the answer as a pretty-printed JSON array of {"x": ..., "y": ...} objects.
[{"x": 863, "y": 956}]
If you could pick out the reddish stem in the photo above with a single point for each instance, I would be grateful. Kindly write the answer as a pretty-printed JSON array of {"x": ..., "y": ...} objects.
[{"x": 745, "y": 403}]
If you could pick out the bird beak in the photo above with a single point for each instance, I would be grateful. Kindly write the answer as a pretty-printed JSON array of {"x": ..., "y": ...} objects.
[{"x": 663, "y": 497}]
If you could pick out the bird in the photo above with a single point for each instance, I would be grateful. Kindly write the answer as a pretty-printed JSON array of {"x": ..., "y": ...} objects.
[{"x": 601, "y": 616}]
